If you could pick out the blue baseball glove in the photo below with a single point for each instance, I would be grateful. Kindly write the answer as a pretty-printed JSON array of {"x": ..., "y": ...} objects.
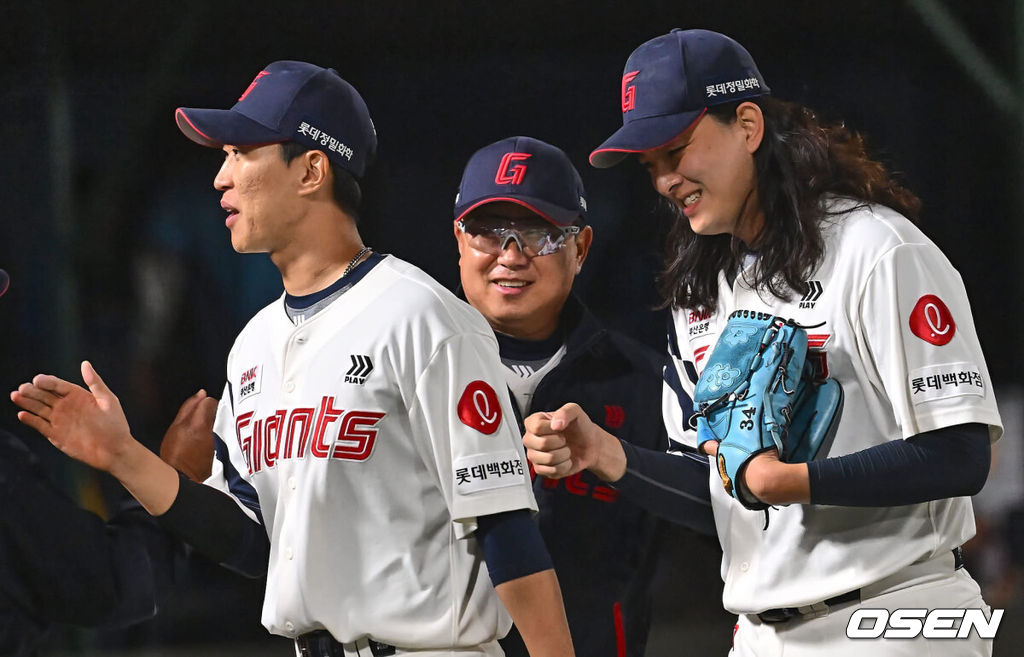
[{"x": 757, "y": 392}]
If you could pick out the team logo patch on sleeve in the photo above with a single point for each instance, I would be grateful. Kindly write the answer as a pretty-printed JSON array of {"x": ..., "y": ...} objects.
[
  {"x": 931, "y": 321},
  {"x": 943, "y": 381},
  {"x": 486, "y": 471},
  {"x": 479, "y": 408}
]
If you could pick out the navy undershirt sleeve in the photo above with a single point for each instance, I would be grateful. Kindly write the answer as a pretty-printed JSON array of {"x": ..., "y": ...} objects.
[
  {"x": 213, "y": 524},
  {"x": 672, "y": 486},
  {"x": 948, "y": 462},
  {"x": 512, "y": 545}
]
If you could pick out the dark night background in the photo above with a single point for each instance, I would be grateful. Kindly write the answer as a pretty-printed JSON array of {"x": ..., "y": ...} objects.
[{"x": 115, "y": 244}]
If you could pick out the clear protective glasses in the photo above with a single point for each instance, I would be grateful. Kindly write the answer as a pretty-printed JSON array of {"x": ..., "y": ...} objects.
[{"x": 491, "y": 233}]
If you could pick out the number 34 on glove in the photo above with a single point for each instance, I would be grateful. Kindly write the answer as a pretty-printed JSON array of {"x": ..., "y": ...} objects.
[{"x": 758, "y": 392}]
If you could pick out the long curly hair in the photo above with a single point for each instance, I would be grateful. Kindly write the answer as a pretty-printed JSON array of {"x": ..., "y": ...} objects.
[{"x": 799, "y": 162}]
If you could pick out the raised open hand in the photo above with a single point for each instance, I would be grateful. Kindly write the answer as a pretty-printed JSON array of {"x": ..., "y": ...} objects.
[{"x": 87, "y": 425}]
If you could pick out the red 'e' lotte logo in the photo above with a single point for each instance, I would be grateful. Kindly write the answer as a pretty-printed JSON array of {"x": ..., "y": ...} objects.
[
  {"x": 479, "y": 408},
  {"x": 931, "y": 321}
]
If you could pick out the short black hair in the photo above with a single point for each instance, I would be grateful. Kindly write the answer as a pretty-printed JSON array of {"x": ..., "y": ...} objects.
[{"x": 346, "y": 190}]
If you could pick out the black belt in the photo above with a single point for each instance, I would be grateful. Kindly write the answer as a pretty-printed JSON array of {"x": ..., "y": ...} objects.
[
  {"x": 320, "y": 643},
  {"x": 783, "y": 614}
]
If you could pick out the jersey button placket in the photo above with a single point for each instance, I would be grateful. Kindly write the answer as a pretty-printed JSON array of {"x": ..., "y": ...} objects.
[{"x": 297, "y": 339}]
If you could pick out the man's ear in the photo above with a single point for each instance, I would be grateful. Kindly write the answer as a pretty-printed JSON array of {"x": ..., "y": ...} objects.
[
  {"x": 583, "y": 241},
  {"x": 316, "y": 171},
  {"x": 458, "y": 236}
]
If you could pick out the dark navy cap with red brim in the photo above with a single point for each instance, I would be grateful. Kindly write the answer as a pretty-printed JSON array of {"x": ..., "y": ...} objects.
[
  {"x": 291, "y": 101},
  {"x": 669, "y": 82},
  {"x": 526, "y": 171}
]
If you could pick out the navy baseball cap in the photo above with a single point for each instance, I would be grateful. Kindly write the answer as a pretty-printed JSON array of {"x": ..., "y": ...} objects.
[
  {"x": 526, "y": 171},
  {"x": 291, "y": 101},
  {"x": 670, "y": 81}
]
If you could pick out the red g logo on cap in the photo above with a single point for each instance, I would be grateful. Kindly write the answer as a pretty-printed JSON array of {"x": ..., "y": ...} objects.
[
  {"x": 513, "y": 175},
  {"x": 629, "y": 91},
  {"x": 931, "y": 321},
  {"x": 479, "y": 408},
  {"x": 252, "y": 85}
]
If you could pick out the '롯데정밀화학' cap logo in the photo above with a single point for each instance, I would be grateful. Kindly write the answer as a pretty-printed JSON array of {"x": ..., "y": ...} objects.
[{"x": 719, "y": 92}]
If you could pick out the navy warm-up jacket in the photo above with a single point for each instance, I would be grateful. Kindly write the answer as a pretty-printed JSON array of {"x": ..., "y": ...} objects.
[
  {"x": 603, "y": 546},
  {"x": 62, "y": 564}
]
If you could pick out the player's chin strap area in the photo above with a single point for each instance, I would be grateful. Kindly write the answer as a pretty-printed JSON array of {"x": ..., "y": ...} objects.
[{"x": 320, "y": 643}]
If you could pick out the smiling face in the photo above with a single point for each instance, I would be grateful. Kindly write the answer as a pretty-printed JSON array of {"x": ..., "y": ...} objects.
[
  {"x": 259, "y": 192},
  {"x": 709, "y": 174},
  {"x": 519, "y": 295}
]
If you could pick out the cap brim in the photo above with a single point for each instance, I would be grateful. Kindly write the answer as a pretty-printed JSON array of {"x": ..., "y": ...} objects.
[
  {"x": 552, "y": 213},
  {"x": 640, "y": 135},
  {"x": 214, "y": 128}
]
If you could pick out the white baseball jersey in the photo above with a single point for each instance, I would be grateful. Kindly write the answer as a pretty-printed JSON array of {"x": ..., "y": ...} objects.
[
  {"x": 896, "y": 331},
  {"x": 374, "y": 433}
]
